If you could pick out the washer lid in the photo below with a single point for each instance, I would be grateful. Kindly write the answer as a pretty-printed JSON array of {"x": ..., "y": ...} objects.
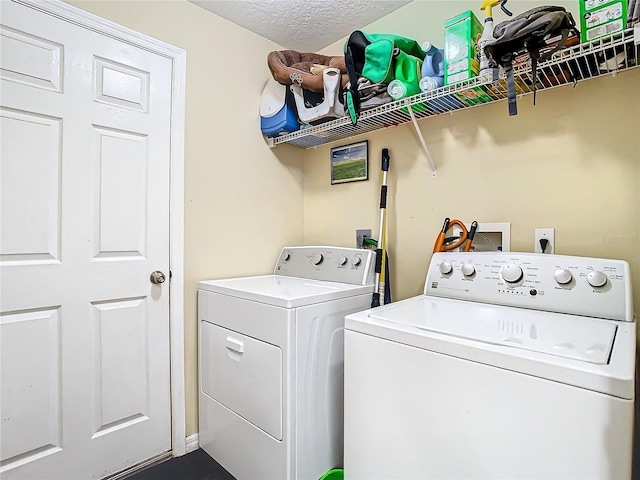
[
  {"x": 585, "y": 352},
  {"x": 281, "y": 291},
  {"x": 569, "y": 336}
]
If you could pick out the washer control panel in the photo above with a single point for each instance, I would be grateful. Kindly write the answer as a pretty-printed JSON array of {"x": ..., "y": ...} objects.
[
  {"x": 331, "y": 264},
  {"x": 593, "y": 287}
]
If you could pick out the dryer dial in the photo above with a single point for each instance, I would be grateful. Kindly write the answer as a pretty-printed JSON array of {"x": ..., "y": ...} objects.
[{"x": 317, "y": 258}]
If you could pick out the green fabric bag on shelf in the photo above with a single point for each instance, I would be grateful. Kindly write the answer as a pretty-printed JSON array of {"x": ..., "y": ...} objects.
[{"x": 380, "y": 58}]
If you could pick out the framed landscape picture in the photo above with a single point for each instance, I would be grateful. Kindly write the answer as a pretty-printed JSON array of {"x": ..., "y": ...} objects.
[{"x": 350, "y": 163}]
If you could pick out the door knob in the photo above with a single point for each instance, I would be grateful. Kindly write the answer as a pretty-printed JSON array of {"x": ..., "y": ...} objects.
[{"x": 157, "y": 277}]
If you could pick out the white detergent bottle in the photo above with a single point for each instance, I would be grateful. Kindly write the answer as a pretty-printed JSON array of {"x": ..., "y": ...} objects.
[{"x": 487, "y": 32}]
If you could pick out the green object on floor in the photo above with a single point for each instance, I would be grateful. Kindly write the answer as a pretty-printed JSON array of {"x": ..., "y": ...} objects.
[{"x": 335, "y": 474}]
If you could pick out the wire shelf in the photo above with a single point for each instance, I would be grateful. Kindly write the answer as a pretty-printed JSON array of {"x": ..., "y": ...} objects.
[{"x": 604, "y": 56}]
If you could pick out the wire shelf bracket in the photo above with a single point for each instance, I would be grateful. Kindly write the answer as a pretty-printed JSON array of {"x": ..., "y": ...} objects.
[{"x": 424, "y": 145}]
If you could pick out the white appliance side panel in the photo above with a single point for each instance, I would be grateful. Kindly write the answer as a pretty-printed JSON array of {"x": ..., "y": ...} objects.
[
  {"x": 319, "y": 385},
  {"x": 414, "y": 414},
  {"x": 237, "y": 370}
]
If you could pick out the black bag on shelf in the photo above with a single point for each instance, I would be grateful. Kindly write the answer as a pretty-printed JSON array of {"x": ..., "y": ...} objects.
[{"x": 529, "y": 32}]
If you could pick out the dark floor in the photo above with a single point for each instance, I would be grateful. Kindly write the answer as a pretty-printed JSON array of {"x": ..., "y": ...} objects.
[{"x": 193, "y": 466}]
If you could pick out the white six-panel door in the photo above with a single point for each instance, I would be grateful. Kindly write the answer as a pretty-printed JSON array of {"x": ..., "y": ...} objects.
[{"x": 85, "y": 158}]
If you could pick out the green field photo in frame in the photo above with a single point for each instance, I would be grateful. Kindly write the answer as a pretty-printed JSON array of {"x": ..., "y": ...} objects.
[{"x": 350, "y": 163}]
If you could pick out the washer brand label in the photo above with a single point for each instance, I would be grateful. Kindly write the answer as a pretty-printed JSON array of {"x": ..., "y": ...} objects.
[{"x": 434, "y": 284}]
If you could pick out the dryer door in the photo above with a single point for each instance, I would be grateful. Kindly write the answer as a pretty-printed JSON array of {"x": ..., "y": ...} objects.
[{"x": 245, "y": 375}]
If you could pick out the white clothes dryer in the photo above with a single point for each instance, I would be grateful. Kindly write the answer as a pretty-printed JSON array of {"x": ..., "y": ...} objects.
[
  {"x": 271, "y": 362},
  {"x": 508, "y": 366}
]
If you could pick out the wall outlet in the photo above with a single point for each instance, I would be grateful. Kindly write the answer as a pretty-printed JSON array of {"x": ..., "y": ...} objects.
[
  {"x": 360, "y": 234},
  {"x": 544, "y": 234}
]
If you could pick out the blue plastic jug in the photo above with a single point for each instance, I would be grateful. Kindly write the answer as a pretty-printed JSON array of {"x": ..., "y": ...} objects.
[{"x": 432, "y": 67}]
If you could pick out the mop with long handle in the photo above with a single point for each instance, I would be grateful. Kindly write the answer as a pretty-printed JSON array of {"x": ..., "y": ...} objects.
[
  {"x": 384, "y": 265},
  {"x": 380, "y": 251}
]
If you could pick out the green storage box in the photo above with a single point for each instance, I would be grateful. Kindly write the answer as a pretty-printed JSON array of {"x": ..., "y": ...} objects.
[
  {"x": 461, "y": 52},
  {"x": 599, "y": 18}
]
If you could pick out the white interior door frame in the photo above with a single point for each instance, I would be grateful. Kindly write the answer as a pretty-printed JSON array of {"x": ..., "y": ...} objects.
[{"x": 178, "y": 57}]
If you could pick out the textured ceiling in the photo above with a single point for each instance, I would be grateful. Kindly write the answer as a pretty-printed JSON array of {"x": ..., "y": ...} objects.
[{"x": 305, "y": 26}]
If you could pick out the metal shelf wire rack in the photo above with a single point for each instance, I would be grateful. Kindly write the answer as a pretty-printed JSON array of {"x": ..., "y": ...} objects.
[{"x": 604, "y": 56}]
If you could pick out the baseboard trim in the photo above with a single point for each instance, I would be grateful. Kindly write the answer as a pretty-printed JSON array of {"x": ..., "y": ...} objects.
[{"x": 192, "y": 443}]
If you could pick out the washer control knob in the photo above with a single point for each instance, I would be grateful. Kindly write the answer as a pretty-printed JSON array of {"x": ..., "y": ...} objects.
[
  {"x": 317, "y": 258},
  {"x": 468, "y": 269},
  {"x": 445, "y": 267},
  {"x": 342, "y": 260},
  {"x": 511, "y": 273},
  {"x": 286, "y": 256},
  {"x": 356, "y": 261},
  {"x": 563, "y": 276},
  {"x": 596, "y": 279}
]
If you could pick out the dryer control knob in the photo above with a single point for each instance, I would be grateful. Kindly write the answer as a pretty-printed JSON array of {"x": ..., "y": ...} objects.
[
  {"x": 596, "y": 279},
  {"x": 563, "y": 276},
  {"x": 468, "y": 269},
  {"x": 317, "y": 258},
  {"x": 342, "y": 260},
  {"x": 511, "y": 273},
  {"x": 445, "y": 267},
  {"x": 356, "y": 261}
]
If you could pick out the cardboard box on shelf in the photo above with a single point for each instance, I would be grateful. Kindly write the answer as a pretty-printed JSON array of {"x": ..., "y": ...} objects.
[
  {"x": 461, "y": 54},
  {"x": 599, "y": 18},
  {"x": 498, "y": 90},
  {"x": 473, "y": 96}
]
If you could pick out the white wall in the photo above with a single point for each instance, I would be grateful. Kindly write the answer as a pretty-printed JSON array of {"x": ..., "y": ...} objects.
[{"x": 571, "y": 162}]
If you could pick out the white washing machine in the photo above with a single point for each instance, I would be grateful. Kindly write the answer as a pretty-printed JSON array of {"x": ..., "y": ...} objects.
[
  {"x": 271, "y": 362},
  {"x": 508, "y": 366}
]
